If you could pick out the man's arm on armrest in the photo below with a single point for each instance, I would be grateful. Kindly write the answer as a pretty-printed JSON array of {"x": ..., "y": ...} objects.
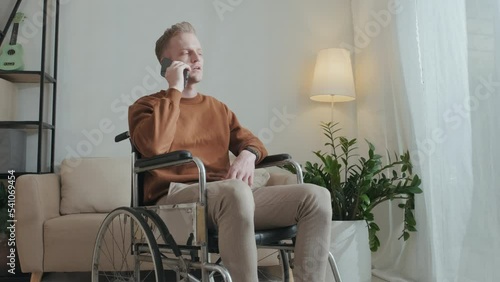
[
  {"x": 37, "y": 200},
  {"x": 242, "y": 139}
]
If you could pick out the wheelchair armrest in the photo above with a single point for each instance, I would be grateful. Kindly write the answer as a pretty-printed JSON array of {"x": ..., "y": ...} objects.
[
  {"x": 163, "y": 160},
  {"x": 274, "y": 160},
  {"x": 280, "y": 160}
]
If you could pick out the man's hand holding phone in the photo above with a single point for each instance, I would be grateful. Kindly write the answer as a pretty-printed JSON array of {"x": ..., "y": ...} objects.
[{"x": 175, "y": 73}]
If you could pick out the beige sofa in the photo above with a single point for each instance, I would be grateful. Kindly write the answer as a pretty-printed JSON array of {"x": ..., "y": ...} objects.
[{"x": 58, "y": 215}]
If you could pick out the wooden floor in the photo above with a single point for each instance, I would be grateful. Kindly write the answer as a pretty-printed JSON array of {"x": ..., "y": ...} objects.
[{"x": 85, "y": 277}]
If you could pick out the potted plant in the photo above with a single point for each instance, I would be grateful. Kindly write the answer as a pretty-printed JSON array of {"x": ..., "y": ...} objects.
[{"x": 358, "y": 184}]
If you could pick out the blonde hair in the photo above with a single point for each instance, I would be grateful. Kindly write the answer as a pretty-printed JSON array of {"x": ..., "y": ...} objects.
[{"x": 162, "y": 42}]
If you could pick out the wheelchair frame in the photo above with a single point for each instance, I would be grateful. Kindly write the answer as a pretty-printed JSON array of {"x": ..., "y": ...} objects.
[{"x": 200, "y": 238}]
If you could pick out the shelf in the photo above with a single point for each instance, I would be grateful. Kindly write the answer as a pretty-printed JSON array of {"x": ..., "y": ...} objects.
[
  {"x": 26, "y": 76},
  {"x": 4, "y": 175},
  {"x": 24, "y": 125}
]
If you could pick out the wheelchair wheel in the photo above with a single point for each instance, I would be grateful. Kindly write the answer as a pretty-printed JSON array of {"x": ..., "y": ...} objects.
[
  {"x": 164, "y": 238},
  {"x": 125, "y": 249}
]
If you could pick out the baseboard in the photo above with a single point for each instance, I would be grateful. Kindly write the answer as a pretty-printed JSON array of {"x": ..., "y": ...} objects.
[{"x": 15, "y": 279}]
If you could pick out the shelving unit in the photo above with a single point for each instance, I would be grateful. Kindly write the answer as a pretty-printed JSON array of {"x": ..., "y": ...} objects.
[
  {"x": 41, "y": 77},
  {"x": 39, "y": 127}
]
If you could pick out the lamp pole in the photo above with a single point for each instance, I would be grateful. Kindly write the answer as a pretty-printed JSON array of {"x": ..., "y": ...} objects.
[{"x": 331, "y": 111}]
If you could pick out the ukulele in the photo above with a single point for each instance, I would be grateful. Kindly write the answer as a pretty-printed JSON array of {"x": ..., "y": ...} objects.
[{"x": 11, "y": 57}]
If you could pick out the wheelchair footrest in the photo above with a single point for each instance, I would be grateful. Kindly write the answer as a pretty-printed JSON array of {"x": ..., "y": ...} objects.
[{"x": 262, "y": 237}]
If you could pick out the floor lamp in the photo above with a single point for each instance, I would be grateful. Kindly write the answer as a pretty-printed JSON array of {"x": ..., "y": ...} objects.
[{"x": 333, "y": 79}]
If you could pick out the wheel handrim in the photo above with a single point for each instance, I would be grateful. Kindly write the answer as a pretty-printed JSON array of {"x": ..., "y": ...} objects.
[{"x": 117, "y": 259}]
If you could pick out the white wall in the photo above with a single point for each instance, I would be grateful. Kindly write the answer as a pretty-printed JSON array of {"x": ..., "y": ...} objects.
[{"x": 259, "y": 59}]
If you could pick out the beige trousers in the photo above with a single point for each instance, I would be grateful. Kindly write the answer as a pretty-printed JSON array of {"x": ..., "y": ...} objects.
[{"x": 236, "y": 210}]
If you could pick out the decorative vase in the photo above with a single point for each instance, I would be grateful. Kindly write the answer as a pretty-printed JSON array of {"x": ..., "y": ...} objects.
[{"x": 351, "y": 250}]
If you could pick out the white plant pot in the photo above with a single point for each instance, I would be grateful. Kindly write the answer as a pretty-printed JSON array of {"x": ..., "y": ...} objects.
[{"x": 351, "y": 250}]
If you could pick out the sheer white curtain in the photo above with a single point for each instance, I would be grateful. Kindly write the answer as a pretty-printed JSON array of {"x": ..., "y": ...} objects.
[
  {"x": 427, "y": 80},
  {"x": 479, "y": 258}
]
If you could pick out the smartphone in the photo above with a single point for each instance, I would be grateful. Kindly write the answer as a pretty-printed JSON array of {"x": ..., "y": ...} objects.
[{"x": 165, "y": 63}]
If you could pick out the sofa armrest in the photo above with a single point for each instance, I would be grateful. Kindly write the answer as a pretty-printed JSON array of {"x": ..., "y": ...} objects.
[
  {"x": 280, "y": 176},
  {"x": 37, "y": 200}
]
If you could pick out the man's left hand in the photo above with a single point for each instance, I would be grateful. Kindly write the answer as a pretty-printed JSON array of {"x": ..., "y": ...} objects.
[{"x": 243, "y": 167}]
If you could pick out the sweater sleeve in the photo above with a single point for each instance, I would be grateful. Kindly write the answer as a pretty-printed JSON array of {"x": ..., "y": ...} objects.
[
  {"x": 240, "y": 138},
  {"x": 152, "y": 122}
]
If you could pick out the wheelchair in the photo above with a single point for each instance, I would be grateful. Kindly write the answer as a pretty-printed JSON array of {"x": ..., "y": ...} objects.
[{"x": 139, "y": 243}]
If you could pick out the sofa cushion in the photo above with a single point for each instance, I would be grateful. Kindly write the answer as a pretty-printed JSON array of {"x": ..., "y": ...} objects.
[
  {"x": 90, "y": 185},
  {"x": 69, "y": 242},
  {"x": 280, "y": 176}
]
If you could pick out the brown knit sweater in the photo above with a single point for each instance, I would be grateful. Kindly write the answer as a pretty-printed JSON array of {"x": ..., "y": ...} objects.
[{"x": 164, "y": 122}]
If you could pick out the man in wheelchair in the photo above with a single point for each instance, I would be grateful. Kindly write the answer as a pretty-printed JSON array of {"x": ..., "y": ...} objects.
[{"x": 181, "y": 118}]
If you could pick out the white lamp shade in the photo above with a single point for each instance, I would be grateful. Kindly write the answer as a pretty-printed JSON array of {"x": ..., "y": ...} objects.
[{"x": 333, "y": 80}]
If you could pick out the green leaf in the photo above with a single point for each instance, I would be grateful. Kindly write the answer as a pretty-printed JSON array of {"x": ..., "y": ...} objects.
[
  {"x": 404, "y": 168},
  {"x": 411, "y": 228},
  {"x": 406, "y": 236},
  {"x": 409, "y": 218},
  {"x": 374, "y": 226},
  {"x": 369, "y": 216},
  {"x": 374, "y": 242},
  {"x": 370, "y": 146},
  {"x": 416, "y": 181},
  {"x": 413, "y": 190},
  {"x": 364, "y": 198}
]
